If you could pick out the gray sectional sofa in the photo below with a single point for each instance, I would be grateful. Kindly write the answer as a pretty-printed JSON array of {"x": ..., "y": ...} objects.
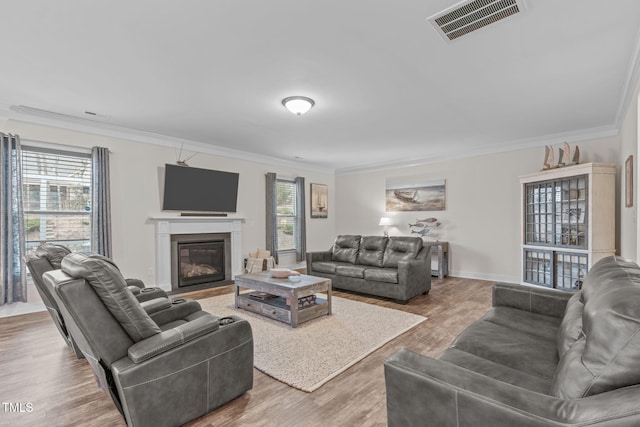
[
  {"x": 391, "y": 267},
  {"x": 539, "y": 357}
]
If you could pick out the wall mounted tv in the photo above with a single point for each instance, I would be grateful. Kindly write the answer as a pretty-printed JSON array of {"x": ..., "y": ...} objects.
[{"x": 200, "y": 190}]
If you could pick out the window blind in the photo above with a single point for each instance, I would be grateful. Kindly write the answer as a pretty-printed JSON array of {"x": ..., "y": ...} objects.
[
  {"x": 286, "y": 210},
  {"x": 57, "y": 197}
]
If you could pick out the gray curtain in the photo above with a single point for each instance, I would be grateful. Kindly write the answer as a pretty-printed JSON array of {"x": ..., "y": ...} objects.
[
  {"x": 271, "y": 217},
  {"x": 13, "y": 284},
  {"x": 301, "y": 232},
  {"x": 100, "y": 202}
]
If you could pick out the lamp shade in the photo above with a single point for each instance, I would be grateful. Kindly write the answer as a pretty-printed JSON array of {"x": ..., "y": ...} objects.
[
  {"x": 385, "y": 221},
  {"x": 298, "y": 105}
]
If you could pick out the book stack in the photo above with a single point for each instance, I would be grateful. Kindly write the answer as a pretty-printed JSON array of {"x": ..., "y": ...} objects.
[
  {"x": 304, "y": 301},
  {"x": 262, "y": 296}
]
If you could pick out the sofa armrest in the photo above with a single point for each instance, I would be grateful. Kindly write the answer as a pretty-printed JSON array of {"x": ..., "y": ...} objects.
[
  {"x": 196, "y": 377},
  {"x": 535, "y": 299},
  {"x": 146, "y": 294},
  {"x": 135, "y": 282},
  {"x": 319, "y": 256},
  {"x": 315, "y": 257},
  {"x": 172, "y": 338},
  {"x": 421, "y": 388},
  {"x": 415, "y": 274},
  {"x": 155, "y": 305},
  {"x": 180, "y": 308}
]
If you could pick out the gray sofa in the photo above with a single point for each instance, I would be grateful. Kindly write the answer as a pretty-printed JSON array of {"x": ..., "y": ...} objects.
[
  {"x": 539, "y": 357},
  {"x": 391, "y": 267}
]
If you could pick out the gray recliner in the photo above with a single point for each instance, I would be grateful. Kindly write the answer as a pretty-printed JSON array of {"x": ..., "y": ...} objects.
[
  {"x": 54, "y": 253},
  {"x": 48, "y": 257},
  {"x": 161, "y": 369}
]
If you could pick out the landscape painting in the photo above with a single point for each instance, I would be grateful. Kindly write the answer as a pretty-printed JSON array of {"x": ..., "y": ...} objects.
[{"x": 424, "y": 196}]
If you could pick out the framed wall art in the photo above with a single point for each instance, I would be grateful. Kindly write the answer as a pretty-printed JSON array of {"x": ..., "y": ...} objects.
[
  {"x": 319, "y": 200},
  {"x": 416, "y": 196}
]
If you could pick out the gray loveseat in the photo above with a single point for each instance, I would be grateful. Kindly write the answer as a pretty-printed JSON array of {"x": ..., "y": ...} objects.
[
  {"x": 391, "y": 267},
  {"x": 539, "y": 357}
]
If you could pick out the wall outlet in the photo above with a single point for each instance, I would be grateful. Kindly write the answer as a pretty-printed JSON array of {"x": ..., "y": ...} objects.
[{"x": 150, "y": 271}]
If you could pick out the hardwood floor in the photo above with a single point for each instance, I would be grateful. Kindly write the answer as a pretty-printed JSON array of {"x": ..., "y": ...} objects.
[{"x": 36, "y": 367}]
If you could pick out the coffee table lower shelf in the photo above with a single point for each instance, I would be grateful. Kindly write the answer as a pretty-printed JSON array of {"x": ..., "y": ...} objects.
[
  {"x": 277, "y": 292},
  {"x": 276, "y": 308}
]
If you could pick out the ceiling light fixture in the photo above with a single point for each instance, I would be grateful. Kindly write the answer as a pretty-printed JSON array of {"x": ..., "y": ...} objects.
[{"x": 298, "y": 105}]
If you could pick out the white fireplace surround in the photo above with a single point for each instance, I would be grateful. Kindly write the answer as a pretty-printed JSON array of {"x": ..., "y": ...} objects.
[{"x": 168, "y": 225}]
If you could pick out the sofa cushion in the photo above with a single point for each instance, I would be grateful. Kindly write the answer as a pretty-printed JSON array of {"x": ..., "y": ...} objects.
[
  {"x": 53, "y": 253},
  {"x": 509, "y": 347},
  {"x": 496, "y": 370},
  {"x": 328, "y": 267},
  {"x": 571, "y": 326},
  {"x": 111, "y": 287},
  {"x": 534, "y": 324},
  {"x": 606, "y": 356},
  {"x": 401, "y": 248},
  {"x": 388, "y": 275},
  {"x": 372, "y": 250},
  {"x": 345, "y": 249},
  {"x": 350, "y": 271}
]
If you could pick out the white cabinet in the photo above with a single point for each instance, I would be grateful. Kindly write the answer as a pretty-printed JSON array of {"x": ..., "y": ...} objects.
[{"x": 568, "y": 223}]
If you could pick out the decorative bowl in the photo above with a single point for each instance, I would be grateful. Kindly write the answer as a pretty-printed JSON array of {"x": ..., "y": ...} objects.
[{"x": 280, "y": 273}]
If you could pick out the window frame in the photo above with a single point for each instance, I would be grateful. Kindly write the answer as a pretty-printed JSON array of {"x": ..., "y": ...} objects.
[
  {"x": 293, "y": 216},
  {"x": 44, "y": 208}
]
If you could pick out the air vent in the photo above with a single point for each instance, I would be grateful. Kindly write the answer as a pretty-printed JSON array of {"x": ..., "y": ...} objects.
[{"x": 468, "y": 16}]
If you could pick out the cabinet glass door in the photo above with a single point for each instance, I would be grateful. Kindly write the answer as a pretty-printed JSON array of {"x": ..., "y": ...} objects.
[
  {"x": 569, "y": 271},
  {"x": 538, "y": 267},
  {"x": 556, "y": 212},
  {"x": 539, "y": 213}
]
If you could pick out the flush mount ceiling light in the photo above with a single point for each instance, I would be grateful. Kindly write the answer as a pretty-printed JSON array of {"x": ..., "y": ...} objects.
[{"x": 298, "y": 105}]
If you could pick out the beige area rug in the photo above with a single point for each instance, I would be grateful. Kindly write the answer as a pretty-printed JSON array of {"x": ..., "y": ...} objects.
[{"x": 318, "y": 350}]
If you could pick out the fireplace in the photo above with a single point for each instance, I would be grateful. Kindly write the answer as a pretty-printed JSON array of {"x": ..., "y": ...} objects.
[
  {"x": 200, "y": 259},
  {"x": 169, "y": 227},
  {"x": 200, "y": 262}
]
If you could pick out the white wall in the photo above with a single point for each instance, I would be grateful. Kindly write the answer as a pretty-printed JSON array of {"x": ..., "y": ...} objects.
[
  {"x": 135, "y": 193},
  {"x": 627, "y": 218},
  {"x": 482, "y": 216}
]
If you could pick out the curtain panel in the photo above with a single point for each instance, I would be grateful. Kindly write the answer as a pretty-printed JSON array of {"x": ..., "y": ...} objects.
[
  {"x": 100, "y": 202},
  {"x": 13, "y": 284},
  {"x": 301, "y": 232},
  {"x": 272, "y": 216}
]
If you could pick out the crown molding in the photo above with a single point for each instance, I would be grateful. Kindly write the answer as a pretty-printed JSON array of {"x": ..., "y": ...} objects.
[
  {"x": 574, "y": 136},
  {"x": 105, "y": 129},
  {"x": 631, "y": 84},
  {"x": 42, "y": 117}
]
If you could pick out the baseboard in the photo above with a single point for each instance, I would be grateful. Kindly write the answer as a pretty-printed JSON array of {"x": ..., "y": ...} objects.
[{"x": 484, "y": 276}]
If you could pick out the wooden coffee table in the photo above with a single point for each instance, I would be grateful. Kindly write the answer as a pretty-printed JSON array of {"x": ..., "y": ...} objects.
[{"x": 279, "y": 292}]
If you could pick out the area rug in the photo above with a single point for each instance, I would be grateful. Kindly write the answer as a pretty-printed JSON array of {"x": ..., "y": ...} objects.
[{"x": 316, "y": 351}]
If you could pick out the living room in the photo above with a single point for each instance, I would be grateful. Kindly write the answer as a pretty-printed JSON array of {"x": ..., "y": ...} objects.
[{"x": 481, "y": 222}]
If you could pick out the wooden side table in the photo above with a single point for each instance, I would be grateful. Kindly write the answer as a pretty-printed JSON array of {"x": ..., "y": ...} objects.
[{"x": 442, "y": 250}]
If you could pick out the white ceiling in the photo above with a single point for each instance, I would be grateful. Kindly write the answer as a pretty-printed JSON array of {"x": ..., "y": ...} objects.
[{"x": 388, "y": 89}]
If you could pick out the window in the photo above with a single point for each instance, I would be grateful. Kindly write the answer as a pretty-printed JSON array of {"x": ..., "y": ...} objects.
[
  {"x": 57, "y": 197},
  {"x": 286, "y": 215}
]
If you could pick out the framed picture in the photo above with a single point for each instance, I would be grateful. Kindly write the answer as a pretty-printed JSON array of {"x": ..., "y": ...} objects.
[
  {"x": 319, "y": 200},
  {"x": 628, "y": 182},
  {"x": 416, "y": 196}
]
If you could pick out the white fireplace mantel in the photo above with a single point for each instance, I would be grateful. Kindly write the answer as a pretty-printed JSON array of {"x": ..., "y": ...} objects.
[{"x": 167, "y": 225}]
